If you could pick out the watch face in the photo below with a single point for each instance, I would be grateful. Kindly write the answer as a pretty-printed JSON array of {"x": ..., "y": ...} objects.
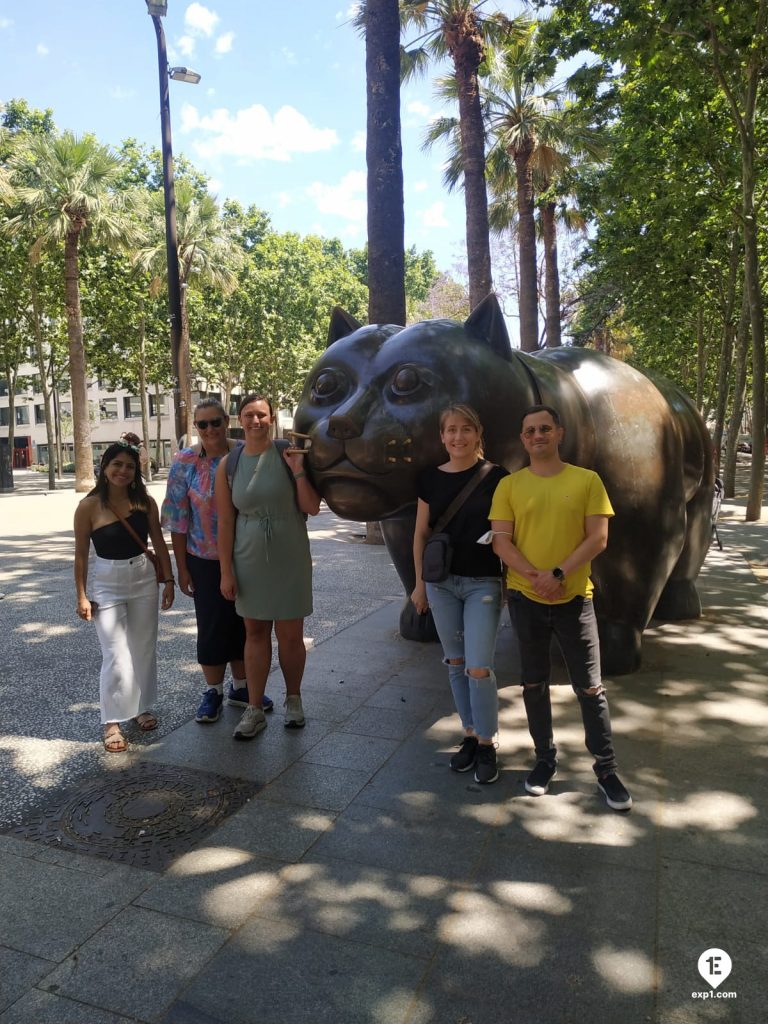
[{"x": 558, "y": 574}]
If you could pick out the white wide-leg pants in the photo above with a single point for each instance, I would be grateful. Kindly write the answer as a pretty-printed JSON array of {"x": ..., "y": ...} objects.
[{"x": 126, "y": 624}]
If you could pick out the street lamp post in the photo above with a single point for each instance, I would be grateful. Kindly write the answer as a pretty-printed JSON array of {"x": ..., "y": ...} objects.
[{"x": 179, "y": 356}]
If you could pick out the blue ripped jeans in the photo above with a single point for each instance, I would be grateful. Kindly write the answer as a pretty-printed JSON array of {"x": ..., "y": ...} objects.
[{"x": 466, "y": 610}]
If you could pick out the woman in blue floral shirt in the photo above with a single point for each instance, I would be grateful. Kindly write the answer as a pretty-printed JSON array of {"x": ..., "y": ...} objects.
[{"x": 189, "y": 512}]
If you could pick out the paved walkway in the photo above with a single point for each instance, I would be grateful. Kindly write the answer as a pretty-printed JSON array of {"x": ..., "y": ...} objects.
[{"x": 363, "y": 882}]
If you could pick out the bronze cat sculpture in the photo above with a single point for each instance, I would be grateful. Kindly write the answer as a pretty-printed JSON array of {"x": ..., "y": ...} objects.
[{"x": 371, "y": 406}]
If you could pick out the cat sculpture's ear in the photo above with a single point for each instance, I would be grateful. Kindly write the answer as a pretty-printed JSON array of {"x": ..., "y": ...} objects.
[
  {"x": 342, "y": 323},
  {"x": 486, "y": 322}
]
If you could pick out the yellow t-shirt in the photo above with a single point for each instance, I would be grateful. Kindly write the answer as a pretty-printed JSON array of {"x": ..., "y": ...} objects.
[{"x": 548, "y": 513}]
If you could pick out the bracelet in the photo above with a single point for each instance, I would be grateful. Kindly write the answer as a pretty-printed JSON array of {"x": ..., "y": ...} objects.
[
  {"x": 299, "y": 475},
  {"x": 171, "y": 580}
]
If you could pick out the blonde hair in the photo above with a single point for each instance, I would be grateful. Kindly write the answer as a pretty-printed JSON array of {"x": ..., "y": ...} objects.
[{"x": 469, "y": 414}]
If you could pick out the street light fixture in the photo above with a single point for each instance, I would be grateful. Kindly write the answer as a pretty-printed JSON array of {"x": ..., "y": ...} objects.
[
  {"x": 157, "y": 9},
  {"x": 184, "y": 75}
]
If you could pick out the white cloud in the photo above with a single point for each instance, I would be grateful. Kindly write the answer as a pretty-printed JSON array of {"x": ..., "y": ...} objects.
[
  {"x": 358, "y": 142},
  {"x": 289, "y": 57},
  {"x": 417, "y": 107},
  {"x": 186, "y": 45},
  {"x": 5, "y": 23},
  {"x": 347, "y": 199},
  {"x": 284, "y": 199},
  {"x": 224, "y": 42},
  {"x": 199, "y": 20},
  {"x": 254, "y": 134},
  {"x": 42, "y": 50},
  {"x": 420, "y": 186},
  {"x": 434, "y": 216},
  {"x": 210, "y": 91},
  {"x": 214, "y": 186},
  {"x": 118, "y": 93}
]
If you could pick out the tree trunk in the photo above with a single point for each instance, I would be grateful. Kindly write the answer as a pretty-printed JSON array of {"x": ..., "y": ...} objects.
[
  {"x": 384, "y": 159},
  {"x": 78, "y": 383},
  {"x": 739, "y": 397},
  {"x": 143, "y": 396},
  {"x": 41, "y": 369},
  {"x": 526, "y": 237},
  {"x": 551, "y": 275},
  {"x": 701, "y": 360},
  {"x": 742, "y": 98},
  {"x": 757, "y": 323},
  {"x": 726, "y": 348},
  {"x": 159, "y": 434},
  {"x": 10, "y": 376},
  {"x": 467, "y": 59}
]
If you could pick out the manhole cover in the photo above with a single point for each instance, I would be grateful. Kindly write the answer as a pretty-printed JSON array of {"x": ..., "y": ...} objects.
[{"x": 146, "y": 816}]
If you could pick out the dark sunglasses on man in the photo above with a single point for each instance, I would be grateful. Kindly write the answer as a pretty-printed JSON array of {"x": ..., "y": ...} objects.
[{"x": 204, "y": 424}]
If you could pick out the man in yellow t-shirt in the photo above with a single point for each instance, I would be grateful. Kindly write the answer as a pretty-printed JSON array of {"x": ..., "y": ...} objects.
[{"x": 549, "y": 521}]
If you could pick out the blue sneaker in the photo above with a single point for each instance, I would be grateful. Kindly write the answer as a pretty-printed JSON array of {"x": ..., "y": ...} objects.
[
  {"x": 238, "y": 698},
  {"x": 210, "y": 706}
]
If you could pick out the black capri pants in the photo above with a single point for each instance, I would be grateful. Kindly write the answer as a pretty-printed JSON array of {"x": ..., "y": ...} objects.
[{"x": 220, "y": 630}]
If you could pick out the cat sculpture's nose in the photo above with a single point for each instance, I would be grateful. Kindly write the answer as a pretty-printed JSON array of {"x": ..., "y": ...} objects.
[{"x": 343, "y": 428}]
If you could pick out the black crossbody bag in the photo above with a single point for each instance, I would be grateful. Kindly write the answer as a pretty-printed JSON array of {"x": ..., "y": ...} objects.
[{"x": 438, "y": 551}]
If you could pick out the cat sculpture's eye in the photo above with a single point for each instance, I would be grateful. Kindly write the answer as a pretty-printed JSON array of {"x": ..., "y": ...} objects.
[
  {"x": 407, "y": 381},
  {"x": 328, "y": 385}
]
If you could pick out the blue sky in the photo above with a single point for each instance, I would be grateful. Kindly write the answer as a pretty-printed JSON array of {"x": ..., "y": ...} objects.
[{"x": 279, "y": 116}]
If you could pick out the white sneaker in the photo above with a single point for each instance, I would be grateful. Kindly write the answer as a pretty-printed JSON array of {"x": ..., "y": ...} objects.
[
  {"x": 294, "y": 713},
  {"x": 252, "y": 722}
]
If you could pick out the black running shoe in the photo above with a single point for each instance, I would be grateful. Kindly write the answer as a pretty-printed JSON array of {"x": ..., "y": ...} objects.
[
  {"x": 465, "y": 756},
  {"x": 539, "y": 779},
  {"x": 616, "y": 796},
  {"x": 485, "y": 765}
]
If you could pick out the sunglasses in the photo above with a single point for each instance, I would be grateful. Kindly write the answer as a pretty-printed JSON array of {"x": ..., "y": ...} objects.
[{"x": 204, "y": 424}]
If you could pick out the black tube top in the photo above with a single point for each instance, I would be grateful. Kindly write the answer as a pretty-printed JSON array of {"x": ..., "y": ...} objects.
[{"x": 114, "y": 541}]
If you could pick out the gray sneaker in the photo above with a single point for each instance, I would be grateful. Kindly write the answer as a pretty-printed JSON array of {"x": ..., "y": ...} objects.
[
  {"x": 251, "y": 723},
  {"x": 294, "y": 713}
]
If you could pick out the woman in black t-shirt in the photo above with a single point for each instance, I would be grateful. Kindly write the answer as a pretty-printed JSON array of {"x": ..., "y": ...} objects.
[
  {"x": 466, "y": 606},
  {"x": 124, "y": 583}
]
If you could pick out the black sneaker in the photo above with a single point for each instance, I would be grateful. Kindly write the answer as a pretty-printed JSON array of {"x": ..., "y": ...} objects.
[
  {"x": 485, "y": 765},
  {"x": 465, "y": 756},
  {"x": 539, "y": 779},
  {"x": 614, "y": 792}
]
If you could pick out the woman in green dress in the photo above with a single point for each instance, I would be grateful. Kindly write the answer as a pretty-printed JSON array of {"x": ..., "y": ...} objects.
[{"x": 266, "y": 567}]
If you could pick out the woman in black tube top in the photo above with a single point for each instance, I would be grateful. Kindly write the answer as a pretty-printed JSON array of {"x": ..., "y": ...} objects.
[{"x": 123, "y": 602}]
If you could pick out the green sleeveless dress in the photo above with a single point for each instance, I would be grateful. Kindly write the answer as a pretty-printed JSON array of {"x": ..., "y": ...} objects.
[{"x": 271, "y": 558}]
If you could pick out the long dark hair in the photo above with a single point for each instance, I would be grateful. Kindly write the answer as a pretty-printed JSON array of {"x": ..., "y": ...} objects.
[{"x": 137, "y": 491}]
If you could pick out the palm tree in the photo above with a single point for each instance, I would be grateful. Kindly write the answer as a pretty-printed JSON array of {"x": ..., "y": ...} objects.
[
  {"x": 457, "y": 29},
  {"x": 534, "y": 137},
  {"x": 208, "y": 255},
  {"x": 384, "y": 160},
  {"x": 65, "y": 193}
]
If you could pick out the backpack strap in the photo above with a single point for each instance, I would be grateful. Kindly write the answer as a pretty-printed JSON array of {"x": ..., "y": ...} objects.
[{"x": 232, "y": 460}]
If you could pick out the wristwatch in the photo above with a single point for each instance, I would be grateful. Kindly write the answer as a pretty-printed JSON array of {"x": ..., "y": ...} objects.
[{"x": 558, "y": 573}]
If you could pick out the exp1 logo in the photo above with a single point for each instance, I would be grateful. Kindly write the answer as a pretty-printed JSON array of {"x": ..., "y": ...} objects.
[{"x": 714, "y": 966}]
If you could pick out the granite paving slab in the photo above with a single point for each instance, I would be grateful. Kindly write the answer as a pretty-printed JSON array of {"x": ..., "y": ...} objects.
[
  {"x": 49, "y": 1008},
  {"x": 345, "y": 750},
  {"x": 268, "y": 829},
  {"x": 19, "y": 972},
  {"x": 304, "y": 976},
  {"x": 314, "y": 785},
  {"x": 138, "y": 963},
  {"x": 221, "y": 885},
  {"x": 73, "y": 904},
  {"x": 370, "y": 906}
]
